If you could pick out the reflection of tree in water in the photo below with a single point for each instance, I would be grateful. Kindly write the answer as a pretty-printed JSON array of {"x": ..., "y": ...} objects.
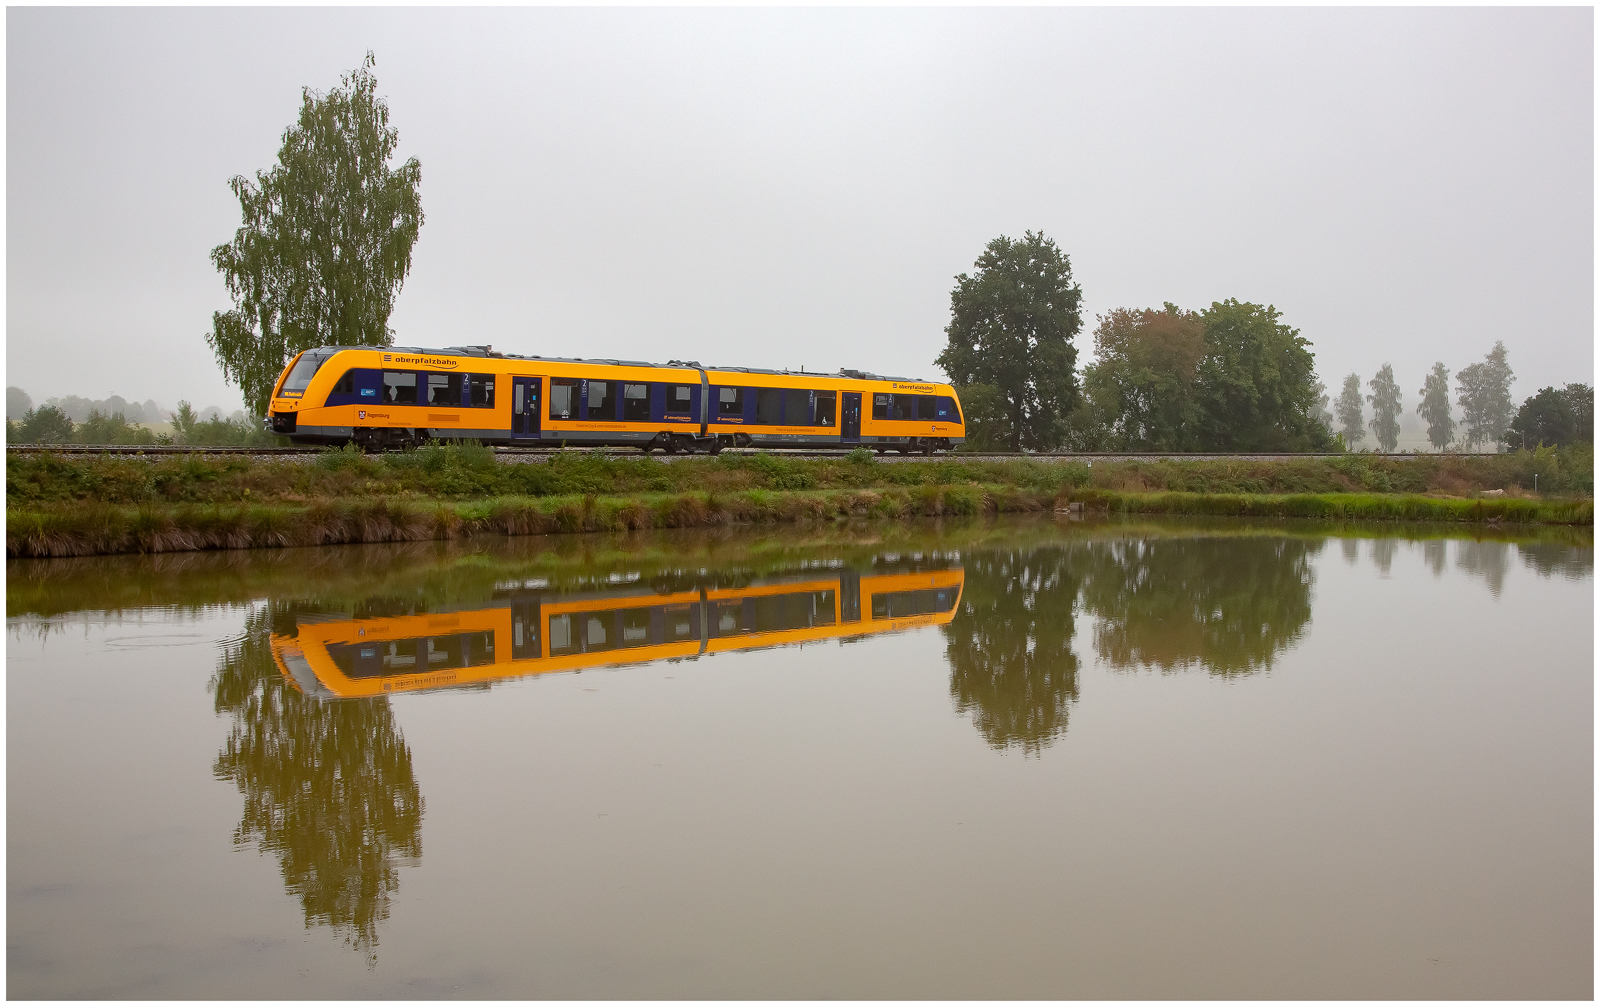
[
  {"x": 1433, "y": 553},
  {"x": 1352, "y": 550},
  {"x": 1489, "y": 560},
  {"x": 1010, "y": 646},
  {"x": 1557, "y": 559},
  {"x": 328, "y": 788},
  {"x": 1383, "y": 552},
  {"x": 1229, "y": 605}
]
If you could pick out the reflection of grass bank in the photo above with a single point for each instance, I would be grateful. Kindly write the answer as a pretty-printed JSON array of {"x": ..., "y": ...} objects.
[
  {"x": 97, "y": 528},
  {"x": 467, "y": 571}
]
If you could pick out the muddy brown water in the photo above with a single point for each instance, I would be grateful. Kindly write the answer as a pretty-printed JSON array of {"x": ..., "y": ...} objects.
[{"x": 1020, "y": 758}]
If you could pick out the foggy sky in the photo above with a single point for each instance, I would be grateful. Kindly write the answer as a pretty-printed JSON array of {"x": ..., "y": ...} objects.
[{"x": 780, "y": 188}]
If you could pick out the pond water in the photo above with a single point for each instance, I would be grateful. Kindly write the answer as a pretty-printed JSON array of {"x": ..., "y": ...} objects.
[{"x": 1015, "y": 759}]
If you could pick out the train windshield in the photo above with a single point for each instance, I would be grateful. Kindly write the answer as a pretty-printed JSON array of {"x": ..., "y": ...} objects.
[{"x": 308, "y": 364}]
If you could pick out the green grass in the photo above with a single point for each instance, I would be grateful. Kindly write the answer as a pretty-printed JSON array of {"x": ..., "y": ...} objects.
[
  {"x": 72, "y": 505},
  {"x": 463, "y": 472},
  {"x": 97, "y": 528}
]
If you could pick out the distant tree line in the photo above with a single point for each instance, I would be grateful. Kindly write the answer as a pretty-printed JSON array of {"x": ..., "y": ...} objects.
[
  {"x": 1230, "y": 377},
  {"x": 77, "y": 408},
  {"x": 65, "y": 421},
  {"x": 1553, "y": 417}
]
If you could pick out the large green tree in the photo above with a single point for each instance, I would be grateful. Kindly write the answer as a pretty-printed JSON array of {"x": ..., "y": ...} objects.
[
  {"x": 1555, "y": 417},
  {"x": 1435, "y": 406},
  {"x": 1143, "y": 377},
  {"x": 1256, "y": 383},
  {"x": 1385, "y": 401},
  {"x": 326, "y": 240},
  {"x": 1485, "y": 397},
  {"x": 1009, "y": 349},
  {"x": 1348, "y": 405}
]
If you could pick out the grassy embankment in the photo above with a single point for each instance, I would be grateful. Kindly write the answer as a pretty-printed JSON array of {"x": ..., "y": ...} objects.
[{"x": 67, "y": 505}]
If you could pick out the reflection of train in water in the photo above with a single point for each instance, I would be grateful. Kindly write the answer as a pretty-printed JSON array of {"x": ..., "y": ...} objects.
[{"x": 532, "y": 631}]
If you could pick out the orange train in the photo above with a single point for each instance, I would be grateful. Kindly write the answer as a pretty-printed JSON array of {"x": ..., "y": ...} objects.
[
  {"x": 532, "y": 632},
  {"x": 386, "y": 397}
]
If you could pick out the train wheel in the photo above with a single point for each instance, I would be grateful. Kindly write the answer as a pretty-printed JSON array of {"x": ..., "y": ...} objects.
[{"x": 927, "y": 448}]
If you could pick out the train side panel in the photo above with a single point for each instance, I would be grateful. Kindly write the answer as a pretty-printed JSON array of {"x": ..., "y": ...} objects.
[{"x": 393, "y": 397}]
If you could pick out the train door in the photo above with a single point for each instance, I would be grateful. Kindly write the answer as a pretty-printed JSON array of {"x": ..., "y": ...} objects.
[
  {"x": 850, "y": 417},
  {"x": 524, "y": 408},
  {"x": 849, "y": 594}
]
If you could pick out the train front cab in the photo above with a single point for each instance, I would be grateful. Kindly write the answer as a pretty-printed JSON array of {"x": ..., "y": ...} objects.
[
  {"x": 532, "y": 633},
  {"x": 396, "y": 397}
]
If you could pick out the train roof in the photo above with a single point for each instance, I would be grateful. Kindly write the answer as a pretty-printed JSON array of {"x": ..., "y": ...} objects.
[{"x": 489, "y": 351}]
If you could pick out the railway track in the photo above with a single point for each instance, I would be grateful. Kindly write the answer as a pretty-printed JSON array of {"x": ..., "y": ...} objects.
[{"x": 515, "y": 454}]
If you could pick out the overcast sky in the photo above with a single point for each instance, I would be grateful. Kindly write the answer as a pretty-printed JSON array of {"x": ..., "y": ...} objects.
[{"x": 799, "y": 187}]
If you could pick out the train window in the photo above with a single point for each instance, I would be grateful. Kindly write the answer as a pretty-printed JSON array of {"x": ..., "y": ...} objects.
[
  {"x": 728, "y": 618},
  {"x": 444, "y": 390},
  {"x": 445, "y": 650},
  {"x": 769, "y": 405},
  {"x": 636, "y": 403},
  {"x": 903, "y": 406},
  {"x": 563, "y": 398},
  {"x": 480, "y": 389},
  {"x": 308, "y": 365},
  {"x": 346, "y": 385},
  {"x": 880, "y": 407},
  {"x": 477, "y": 648},
  {"x": 800, "y": 610},
  {"x": 796, "y": 406},
  {"x": 400, "y": 388},
  {"x": 900, "y": 604},
  {"x": 947, "y": 410},
  {"x": 402, "y": 655},
  {"x": 356, "y": 660},
  {"x": 681, "y": 399},
  {"x": 682, "y": 621},
  {"x": 602, "y": 400},
  {"x": 925, "y": 407},
  {"x": 635, "y": 627},
  {"x": 730, "y": 401},
  {"x": 560, "y": 633},
  {"x": 597, "y": 635},
  {"x": 823, "y": 417}
]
